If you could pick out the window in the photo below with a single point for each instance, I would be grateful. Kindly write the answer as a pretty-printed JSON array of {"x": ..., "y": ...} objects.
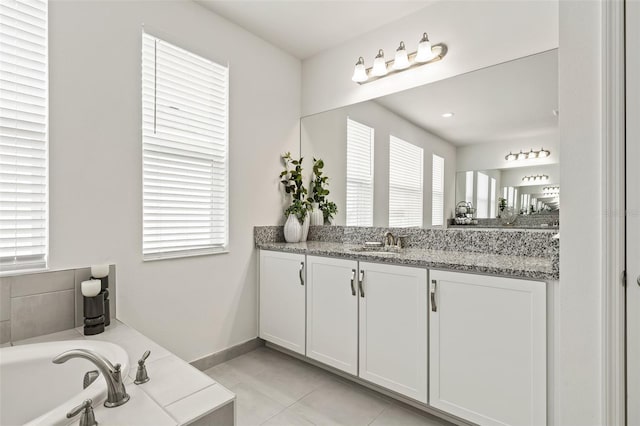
[
  {"x": 492, "y": 199},
  {"x": 482, "y": 207},
  {"x": 359, "y": 174},
  {"x": 23, "y": 135},
  {"x": 468, "y": 188},
  {"x": 437, "y": 191},
  {"x": 185, "y": 152},
  {"x": 405, "y": 183}
]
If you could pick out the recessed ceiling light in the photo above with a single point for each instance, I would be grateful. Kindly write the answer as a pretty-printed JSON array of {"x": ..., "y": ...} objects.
[{"x": 448, "y": 114}]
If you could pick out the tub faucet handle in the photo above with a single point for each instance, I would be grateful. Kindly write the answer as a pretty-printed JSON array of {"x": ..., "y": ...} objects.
[
  {"x": 141, "y": 374},
  {"x": 87, "y": 418}
]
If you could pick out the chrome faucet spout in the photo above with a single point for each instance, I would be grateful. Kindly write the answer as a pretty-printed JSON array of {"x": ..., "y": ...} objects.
[
  {"x": 116, "y": 392},
  {"x": 389, "y": 239}
]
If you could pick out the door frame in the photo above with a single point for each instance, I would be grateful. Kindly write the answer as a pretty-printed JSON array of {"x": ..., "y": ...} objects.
[{"x": 613, "y": 212}]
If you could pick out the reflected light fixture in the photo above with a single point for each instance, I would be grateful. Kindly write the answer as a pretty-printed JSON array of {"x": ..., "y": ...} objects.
[
  {"x": 448, "y": 114},
  {"x": 535, "y": 178},
  {"x": 426, "y": 54},
  {"x": 543, "y": 153},
  {"x": 379, "y": 65},
  {"x": 401, "y": 60}
]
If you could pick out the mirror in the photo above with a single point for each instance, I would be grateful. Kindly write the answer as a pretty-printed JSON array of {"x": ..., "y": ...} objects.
[{"x": 407, "y": 159}]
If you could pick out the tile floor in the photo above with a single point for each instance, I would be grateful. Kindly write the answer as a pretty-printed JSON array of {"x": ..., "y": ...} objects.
[{"x": 275, "y": 389}]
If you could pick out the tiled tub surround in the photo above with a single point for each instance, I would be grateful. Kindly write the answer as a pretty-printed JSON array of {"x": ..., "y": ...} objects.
[
  {"x": 176, "y": 393},
  {"x": 517, "y": 253},
  {"x": 35, "y": 304}
]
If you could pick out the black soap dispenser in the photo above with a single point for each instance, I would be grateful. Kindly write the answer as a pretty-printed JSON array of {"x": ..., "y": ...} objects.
[
  {"x": 93, "y": 307},
  {"x": 101, "y": 272}
]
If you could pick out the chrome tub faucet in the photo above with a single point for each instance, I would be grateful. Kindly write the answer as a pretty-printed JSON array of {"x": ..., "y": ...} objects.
[{"x": 116, "y": 392}]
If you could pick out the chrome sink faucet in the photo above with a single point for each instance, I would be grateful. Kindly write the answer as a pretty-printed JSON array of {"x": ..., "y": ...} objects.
[
  {"x": 389, "y": 239},
  {"x": 116, "y": 392}
]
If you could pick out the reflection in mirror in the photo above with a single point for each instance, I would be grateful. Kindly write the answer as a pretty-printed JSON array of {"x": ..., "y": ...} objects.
[{"x": 407, "y": 159}]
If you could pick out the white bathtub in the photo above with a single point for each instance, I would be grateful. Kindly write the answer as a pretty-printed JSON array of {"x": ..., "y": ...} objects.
[{"x": 35, "y": 391}]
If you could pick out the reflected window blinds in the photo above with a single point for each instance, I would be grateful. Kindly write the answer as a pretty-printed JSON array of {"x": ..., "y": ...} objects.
[
  {"x": 405, "y": 183},
  {"x": 360, "y": 139}
]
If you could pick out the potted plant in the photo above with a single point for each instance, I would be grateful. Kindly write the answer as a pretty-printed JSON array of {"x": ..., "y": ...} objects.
[
  {"x": 297, "y": 213},
  {"x": 323, "y": 210}
]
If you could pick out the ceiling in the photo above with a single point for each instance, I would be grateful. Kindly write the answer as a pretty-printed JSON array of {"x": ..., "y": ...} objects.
[
  {"x": 490, "y": 105},
  {"x": 306, "y": 27}
]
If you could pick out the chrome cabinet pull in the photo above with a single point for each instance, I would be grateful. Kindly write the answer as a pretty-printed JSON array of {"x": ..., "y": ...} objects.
[
  {"x": 434, "y": 288},
  {"x": 300, "y": 273},
  {"x": 360, "y": 283},
  {"x": 353, "y": 278}
]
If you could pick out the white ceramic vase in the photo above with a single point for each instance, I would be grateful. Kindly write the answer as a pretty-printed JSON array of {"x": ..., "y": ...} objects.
[
  {"x": 292, "y": 229},
  {"x": 317, "y": 218},
  {"x": 305, "y": 228}
]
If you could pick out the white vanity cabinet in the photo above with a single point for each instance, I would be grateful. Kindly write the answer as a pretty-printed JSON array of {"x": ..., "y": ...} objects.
[
  {"x": 369, "y": 320},
  {"x": 393, "y": 328},
  {"x": 487, "y": 348},
  {"x": 282, "y": 299},
  {"x": 332, "y": 312}
]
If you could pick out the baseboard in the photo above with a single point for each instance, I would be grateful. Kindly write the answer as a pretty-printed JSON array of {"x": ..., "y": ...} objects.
[{"x": 211, "y": 360}]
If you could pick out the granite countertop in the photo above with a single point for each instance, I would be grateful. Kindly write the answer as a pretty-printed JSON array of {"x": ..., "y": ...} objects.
[
  {"x": 540, "y": 268},
  {"x": 507, "y": 227}
]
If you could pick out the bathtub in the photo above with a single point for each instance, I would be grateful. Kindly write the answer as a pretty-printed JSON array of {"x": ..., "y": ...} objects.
[{"x": 35, "y": 391}]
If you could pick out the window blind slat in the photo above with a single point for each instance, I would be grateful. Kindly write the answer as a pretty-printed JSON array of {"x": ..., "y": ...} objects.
[
  {"x": 359, "y": 202},
  {"x": 185, "y": 151},
  {"x": 405, "y": 183},
  {"x": 23, "y": 135}
]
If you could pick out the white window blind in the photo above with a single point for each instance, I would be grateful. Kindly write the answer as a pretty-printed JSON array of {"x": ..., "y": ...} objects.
[
  {"x": 482, "y": 207},
  {"x": 437, "y": 191},
  {"x": 23, "y": 135},
  {"x": 492, "y": 206},
  {"x": 468, "y": 188},
  {"x": 185, "y": 152},
  {"x": 405, "y": 183},
  {"x": 360, "y": 140}
]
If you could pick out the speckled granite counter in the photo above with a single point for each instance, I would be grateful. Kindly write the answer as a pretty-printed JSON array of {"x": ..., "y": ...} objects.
[
  {"x": 504, "y": 265},
  {"x": 533, "y": 254}
]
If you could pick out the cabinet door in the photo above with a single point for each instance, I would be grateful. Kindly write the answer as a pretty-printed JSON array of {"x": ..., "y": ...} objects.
[
  {"x": 393, "y": 328},
  {"x": 487, "y": 347},
  {"x": 282, "y": 299},
  {"x": 332, "y": 312}
]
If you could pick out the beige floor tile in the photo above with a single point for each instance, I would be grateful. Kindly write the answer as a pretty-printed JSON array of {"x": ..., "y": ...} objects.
[
  {"x": 253, "y": 407},
  {"x": 287, "y": 418},
  {"x": 395, "y": 415}
]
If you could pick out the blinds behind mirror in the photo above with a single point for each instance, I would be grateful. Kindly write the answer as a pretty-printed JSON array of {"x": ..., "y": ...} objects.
[
  {"x": 405, "y": 183},
  {"x": 360, "y": 139}
]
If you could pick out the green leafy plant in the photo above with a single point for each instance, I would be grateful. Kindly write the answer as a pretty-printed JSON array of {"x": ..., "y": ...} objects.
[
  {"x": 320, "y": 192},
  {"x": 318, "y": 183},
  {"x": 291, "y": 178},
  {"x": 502, "y": 203},
  {"x": 329, "y": 210}
]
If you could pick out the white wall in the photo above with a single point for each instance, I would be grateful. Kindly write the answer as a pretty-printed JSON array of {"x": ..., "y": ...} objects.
[
  {"x": 488, "y": 156},
  {"x": 192, "y": 306},
  {"x": 478, "y": 34},
  {"x": 324, "y": 136},
  {"x": 580, "y": 379}
]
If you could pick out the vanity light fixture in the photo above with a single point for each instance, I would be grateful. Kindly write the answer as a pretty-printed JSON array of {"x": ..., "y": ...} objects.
[
  {"x": 426, "y": 54},
  {"x": 401, "y": 60},
  {"x": 379, "y": 65},
  {"x": 360, "y": 72},
  {"x": 535, "y": 178},
  {"x": 543, "y": 153}
]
